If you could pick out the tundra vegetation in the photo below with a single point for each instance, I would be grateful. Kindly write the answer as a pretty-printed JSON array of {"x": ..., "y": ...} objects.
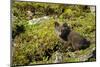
[{"x": 39, "y": 44}]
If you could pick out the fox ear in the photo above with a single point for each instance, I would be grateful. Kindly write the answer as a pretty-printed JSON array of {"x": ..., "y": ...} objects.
[
  {"x": 56, "y": 23},
  {"x": 65, "y": 25},
  {"x": 57, "y": 28}
]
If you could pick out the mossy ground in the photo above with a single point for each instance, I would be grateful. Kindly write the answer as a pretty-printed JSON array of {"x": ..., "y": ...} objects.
[{"x": 35, "y": 44}]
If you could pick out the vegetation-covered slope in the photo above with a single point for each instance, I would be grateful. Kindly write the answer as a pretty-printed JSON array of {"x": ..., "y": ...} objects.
[{"x": 39, "y": 44}]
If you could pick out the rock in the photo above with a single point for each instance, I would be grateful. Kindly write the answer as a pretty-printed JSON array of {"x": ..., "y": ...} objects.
[{"x": 38, "y": 20}]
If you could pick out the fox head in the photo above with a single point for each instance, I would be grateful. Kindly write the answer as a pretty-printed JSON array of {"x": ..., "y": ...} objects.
[{"x": 62, "y": 30}]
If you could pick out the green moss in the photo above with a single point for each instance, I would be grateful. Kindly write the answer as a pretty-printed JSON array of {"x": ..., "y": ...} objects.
[{"x": 36, "y": 43}]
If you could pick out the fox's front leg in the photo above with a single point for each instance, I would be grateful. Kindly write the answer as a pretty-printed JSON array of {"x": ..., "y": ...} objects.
[
  {"x": 66, "y": 46},
  {"x": 75, "y": 46}
]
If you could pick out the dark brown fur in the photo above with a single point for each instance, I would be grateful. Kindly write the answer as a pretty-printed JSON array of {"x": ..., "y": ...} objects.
[{"x": 71, "y": 37}]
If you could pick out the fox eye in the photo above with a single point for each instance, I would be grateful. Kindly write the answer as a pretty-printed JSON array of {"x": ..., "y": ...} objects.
[{"x": 63, "y": 29}]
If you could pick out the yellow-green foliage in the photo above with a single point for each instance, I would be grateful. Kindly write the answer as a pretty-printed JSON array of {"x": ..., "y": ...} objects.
[{"x": 32, "y": 42}]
